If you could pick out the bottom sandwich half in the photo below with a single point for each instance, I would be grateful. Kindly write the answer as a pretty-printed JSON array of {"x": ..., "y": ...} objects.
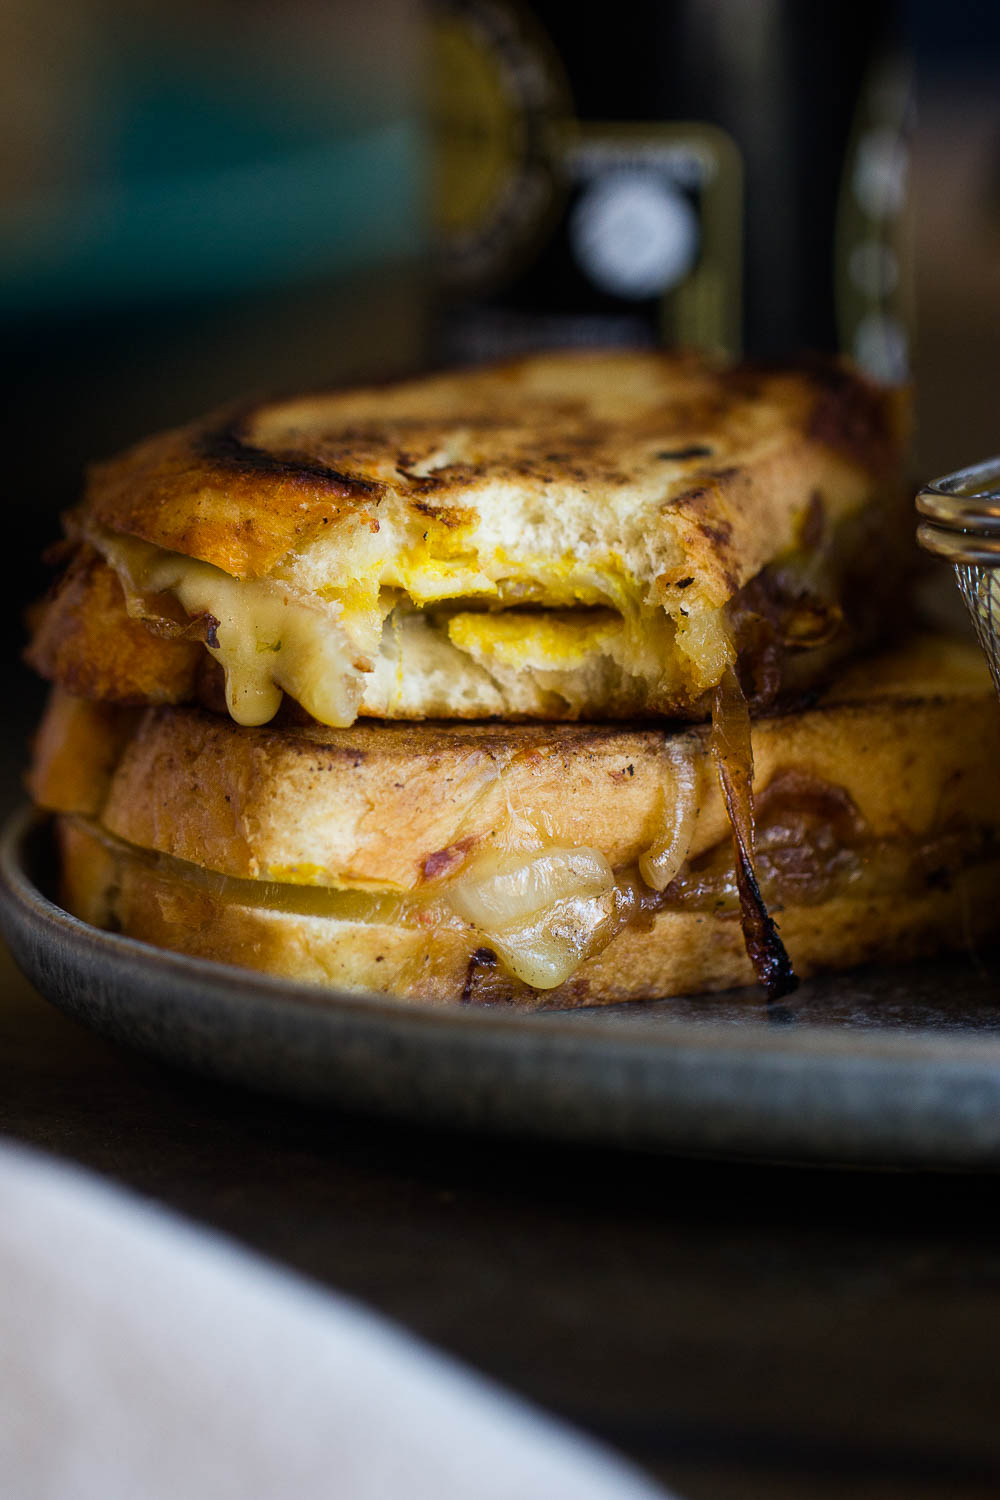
[{"x": 545, "y": 864}]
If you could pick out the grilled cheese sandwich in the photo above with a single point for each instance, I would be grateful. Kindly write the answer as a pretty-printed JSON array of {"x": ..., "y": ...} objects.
[
  {"x": 566, "y": 536},
  {"x": 520, "y": 863}
]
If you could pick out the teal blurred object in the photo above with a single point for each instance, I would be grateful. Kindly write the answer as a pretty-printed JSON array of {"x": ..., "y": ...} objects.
[{"x": 208, "y": 179}]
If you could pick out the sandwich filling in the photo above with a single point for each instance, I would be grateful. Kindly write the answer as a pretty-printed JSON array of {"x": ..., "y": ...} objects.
[
  {"x": 543, "y": 913},
  {"x": 413, "y": 634}
]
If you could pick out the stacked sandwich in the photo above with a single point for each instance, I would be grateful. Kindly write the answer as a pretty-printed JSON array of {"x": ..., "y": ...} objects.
[{"x": 536, "y": 682}]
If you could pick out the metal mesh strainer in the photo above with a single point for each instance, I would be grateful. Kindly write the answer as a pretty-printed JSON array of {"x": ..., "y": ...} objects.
[{"x": 962, "y": 525}]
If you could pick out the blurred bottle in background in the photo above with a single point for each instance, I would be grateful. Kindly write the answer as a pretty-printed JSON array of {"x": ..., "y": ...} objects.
[{"x": 717, "y": 173}]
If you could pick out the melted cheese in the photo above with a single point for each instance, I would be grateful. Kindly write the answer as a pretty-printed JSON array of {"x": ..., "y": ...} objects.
[
  {"x": 334, "y": 645},
  {"x": 544, "y": 912},
  {"x": 268, "y": 639}
]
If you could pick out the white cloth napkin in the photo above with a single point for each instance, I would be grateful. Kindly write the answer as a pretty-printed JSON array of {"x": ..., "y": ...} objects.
[{"x": 143, "y": 1358}]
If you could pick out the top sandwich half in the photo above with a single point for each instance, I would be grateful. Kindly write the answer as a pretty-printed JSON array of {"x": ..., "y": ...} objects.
[{"x": 573, "y": 535}]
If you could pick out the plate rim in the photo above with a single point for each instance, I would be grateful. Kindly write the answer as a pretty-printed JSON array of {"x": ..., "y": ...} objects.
[
  {"x": 811, "y": 1095},
  {"x": 589, "y": 1024}
]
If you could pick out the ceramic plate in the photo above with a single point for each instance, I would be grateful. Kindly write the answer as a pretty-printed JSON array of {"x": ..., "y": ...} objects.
[{"x": 896, "y": 1066}]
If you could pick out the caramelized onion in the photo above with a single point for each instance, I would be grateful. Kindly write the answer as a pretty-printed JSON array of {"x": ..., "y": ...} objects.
[
  {"x": 812, "y": 622},
  {"x": 543, "y": 912},
  {"x": 733, "y": 753},
  {"x": 661, "y": 862},
  {"x": 496, "y": 892}
]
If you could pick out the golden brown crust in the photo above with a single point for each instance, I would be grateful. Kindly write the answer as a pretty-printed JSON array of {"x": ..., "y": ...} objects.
[
  {"x": 75, "y": 752},
  {"x": 309, "y": 805},
  {"x": 675, "y": 953},
  {"x": 709, "y": 508},
  {"x": 206, "y": 490},
  {"x": 878, "y": 767},
  {"x": 85, "y": 640},
  {"x": 731, "y": 453}
]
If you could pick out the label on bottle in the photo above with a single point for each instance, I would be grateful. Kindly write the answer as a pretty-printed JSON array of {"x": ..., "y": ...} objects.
[
  {"x": 556, "y": 231},
  {"x": 655, "y": 216}
]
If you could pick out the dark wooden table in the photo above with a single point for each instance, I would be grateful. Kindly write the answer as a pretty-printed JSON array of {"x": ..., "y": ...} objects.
[{"x": 741, "y": 1331}]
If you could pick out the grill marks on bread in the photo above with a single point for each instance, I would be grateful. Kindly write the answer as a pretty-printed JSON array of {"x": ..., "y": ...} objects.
[
  {"x": 658, "y": 486},
  {"x": 243, "y": 489}
]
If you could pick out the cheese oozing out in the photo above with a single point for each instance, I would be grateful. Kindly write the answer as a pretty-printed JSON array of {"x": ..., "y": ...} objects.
[
  {"x": 410, "y": 633},
  {"x": 267, "y": 637},
  {"x": 544, "y": 912}
]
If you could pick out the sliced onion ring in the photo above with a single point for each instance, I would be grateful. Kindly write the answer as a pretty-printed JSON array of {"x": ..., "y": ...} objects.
[
  {"x": 543, "y": 911},
  {"x": 663, "y": 859},
  {"x": 499, "y": 891}
]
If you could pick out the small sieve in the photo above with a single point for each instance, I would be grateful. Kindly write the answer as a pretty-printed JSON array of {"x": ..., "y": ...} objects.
[{"x": 962, "y": 524}]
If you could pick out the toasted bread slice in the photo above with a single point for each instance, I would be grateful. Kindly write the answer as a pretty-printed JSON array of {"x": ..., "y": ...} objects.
[
  {"x": 320, "y": 853},
  {"x": 578, "y": 535},
  {"x": 312, "y": 806},
  {"x": 671, "y": 951},
  {"x": 86, "y": 640}
]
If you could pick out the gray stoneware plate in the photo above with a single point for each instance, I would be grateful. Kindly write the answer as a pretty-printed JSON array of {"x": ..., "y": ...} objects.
[{"x": 891, "y": 1067}]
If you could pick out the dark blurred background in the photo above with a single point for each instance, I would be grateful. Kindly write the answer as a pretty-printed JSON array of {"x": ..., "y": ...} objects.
[{"x": 201, "y": 200}]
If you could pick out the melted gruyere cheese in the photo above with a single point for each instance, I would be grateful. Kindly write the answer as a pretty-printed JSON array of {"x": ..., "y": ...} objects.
[
  {"x": 323, "y": 644},
  {"x": 543, "y": 911},
  {"x": 267, "y": 638}
]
